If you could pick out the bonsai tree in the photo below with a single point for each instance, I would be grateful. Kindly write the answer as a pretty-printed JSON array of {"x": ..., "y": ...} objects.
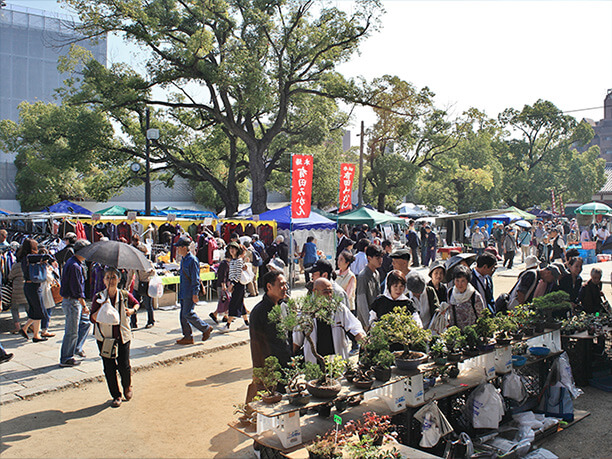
[
  {"x": 438, "y": 349},
  {"x": 453, "y": 339},
  {"x": 522, "y": 316},
  {"x": 384, "y": 359},
  {"x": 301, "y": 314},
  {"x": 269, "y": 375},
  {"x": 485, "y": 327},
  {"x": 333, "y": 367},
  {"x": 293, "y": 373},
  {"x": 551, "y": 305},
  {"x": 471, "y": 337},
  {"x": 505, "y": 325},
  {"x": 399, "y": 328}
]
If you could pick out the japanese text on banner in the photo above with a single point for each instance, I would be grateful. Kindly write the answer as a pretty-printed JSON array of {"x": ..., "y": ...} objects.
[
  {"x": 347, "y": 174},
  {"x": 301, "y": 190}
]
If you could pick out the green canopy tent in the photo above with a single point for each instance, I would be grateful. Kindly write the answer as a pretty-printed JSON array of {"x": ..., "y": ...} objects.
[
  {"x": 521, "y": 213},
  {"x": 114, "y": 211},
  {"x": 370, "y": 217}
]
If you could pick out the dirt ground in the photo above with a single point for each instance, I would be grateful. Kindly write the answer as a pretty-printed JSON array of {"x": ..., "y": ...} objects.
[{"x": 182, "y": 410}]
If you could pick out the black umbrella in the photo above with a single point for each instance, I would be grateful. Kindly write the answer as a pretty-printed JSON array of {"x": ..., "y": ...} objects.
[{"x": 115, "y": 254}]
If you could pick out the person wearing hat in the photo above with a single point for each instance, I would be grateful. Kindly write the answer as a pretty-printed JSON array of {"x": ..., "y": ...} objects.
[
  {"x": 323, "y": 268},
  {"x": 76, "y": 312},
  {"x": 400, "y": 260},
  {"x": 509, "y": 246},
  {"x": 63, "y": 255},
  {"x": 437, "y": 274},
  {"x": 533, "y": 283},
  {"x": 422, "y": 296},
  {"x": 461, "y": 259},
  {"x": 189, "y": 288}
]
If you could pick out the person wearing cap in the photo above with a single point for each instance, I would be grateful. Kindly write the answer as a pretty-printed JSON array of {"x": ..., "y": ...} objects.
[
  {"x": 126, "y": 305},
  {"x": 437, "y": 274},
  {"x": 422, "y": 296},
  {"x": 329, "y": 339},
  {"x": 76, "y": 312},
  {"x": 67, "y": 252},
  {"x": 533, "y": 283},
  {"x": 368, "y": 284},
  {"x": 430, "y": 243},
  {"x": 400, "y": 260},
  {"x": 466, "y": 304},
  {"x": 482, "y": 279},
  {"x": 189, "y": 288}
]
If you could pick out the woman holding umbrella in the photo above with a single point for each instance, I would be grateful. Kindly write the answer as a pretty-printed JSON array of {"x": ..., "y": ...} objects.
[{"x": 120, "y": 335}]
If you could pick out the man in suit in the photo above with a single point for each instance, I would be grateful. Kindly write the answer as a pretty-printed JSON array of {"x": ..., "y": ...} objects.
[{"x": 482, "y": 278}]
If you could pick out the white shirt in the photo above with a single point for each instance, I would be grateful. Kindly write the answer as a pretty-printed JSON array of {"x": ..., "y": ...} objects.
[
  {"x": 603, "y": 234},
  {"x": 361, "y": 260},
  {"x": 422, "y": 307}
]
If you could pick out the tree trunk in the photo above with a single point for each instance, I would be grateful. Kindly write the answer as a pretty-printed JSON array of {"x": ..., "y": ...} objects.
[
  {"x": 258, "y": 178},
  {"x": 381, "y": 202}
]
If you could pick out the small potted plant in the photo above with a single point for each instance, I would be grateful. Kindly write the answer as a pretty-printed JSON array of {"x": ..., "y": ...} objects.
[
  {"x": 350, "y": 370},
  {"x": 325, "y": 447},
  {"x": 324, "y": 384},
  {"x": 438, "y": 350},
  {"x": 551, "y": 307},
  {"x": 294, "y": 382},
  {"x": 506, "y": 328},
  {"x": 245, "y": 412},
  {"x": 455, "y": 342},
  {"x": 383, "y": 362},
  {"x": 485, "y": 328},
  {"x": 364, "y": 378},
  {"x": 471, "y": 340},
  {"x": 269, "y": 376},
  {"x": 371, "y": 426}
]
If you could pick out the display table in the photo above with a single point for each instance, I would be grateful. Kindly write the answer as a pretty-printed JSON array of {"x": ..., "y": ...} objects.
[
  {"x": 207, "y": 278},
  {"x": 580, "y": 348},
  {"x": 286, "y": 428}
]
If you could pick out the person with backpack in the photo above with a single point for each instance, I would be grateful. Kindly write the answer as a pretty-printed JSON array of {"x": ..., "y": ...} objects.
[
  {"x": 309, "y": 255},
  {"x": 466, "y": 304}
]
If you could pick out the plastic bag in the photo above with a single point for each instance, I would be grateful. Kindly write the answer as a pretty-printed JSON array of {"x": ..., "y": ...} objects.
[
  {"x": 156, "y": 288},
  {"x": 440, "y": 320},
  {"x": 566, "y": 376},
  {"x": 435, "y": 424},
  {"x": 246, "y": 276},
  {"x": 486, "y": 407},
  {"x": 107, "y": 314},
  {"x": 513, "y": 388}
]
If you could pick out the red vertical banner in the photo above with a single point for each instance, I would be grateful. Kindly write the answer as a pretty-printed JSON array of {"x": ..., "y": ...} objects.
[
  {"x": 301, "y": 186},
  {"x": 347, "y": 174}
]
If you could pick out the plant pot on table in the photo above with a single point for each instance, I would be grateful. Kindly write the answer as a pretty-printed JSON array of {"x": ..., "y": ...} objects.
[
  {"x": 488, "y": 346},
  {"x": 323, "y": 391},
  {"x": 409, "y": 361},
  {"x": 363, "y": 383},
  {"x": 299, "y": 398},
  {"x": 382, "y": 374},
  {"x": 272, "y": 398}
]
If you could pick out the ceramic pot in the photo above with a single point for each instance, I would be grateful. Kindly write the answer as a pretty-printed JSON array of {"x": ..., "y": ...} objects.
[
  {"x": 270, "y": 399},
  {"x": 382, "y": 374},
  {"x": 323, "y": 391},
  {"x": 411, "y": 363}
]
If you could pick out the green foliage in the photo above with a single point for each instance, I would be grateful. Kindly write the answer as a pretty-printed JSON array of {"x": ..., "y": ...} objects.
[
  {"x": 454, "y": 339},
  {"x": 384, "y": 358},
  {"x": 293, "y": 373},
  {"x": 269, "y": 376},
  {"x": 505, "y": 323},
  {"x": 485, "y": 326},
  {"x": 398, "y": 327},
  {"x": 471, "y": 336},
  {"x": 554, "y": 301},
  {"x": 63, "y": 152},
  {"x": 312, "y": 371},
  {"x": 437, "y": 347}
]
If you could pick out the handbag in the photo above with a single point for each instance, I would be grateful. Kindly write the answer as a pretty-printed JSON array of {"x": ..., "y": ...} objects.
[
  {"x": 37, "y": 272},
  {"x": 109, "y": 348},
  {"x": 556, "y": 402}
]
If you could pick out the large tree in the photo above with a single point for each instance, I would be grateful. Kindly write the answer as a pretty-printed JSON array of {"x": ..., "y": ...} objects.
[
  {"x": 242, "y": 66},
  {"x": 63, "y": 152},
  {"x": 409, "y": 134},
  {"x": 539, "y": 155},
  {"x": 464, "y": 178}
]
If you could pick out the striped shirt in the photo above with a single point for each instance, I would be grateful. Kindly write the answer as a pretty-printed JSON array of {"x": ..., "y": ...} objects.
[{"x": 235, "y": 269}]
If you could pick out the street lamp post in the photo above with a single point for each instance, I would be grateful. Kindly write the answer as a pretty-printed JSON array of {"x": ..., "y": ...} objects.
[{"x": 152, "y": 134}]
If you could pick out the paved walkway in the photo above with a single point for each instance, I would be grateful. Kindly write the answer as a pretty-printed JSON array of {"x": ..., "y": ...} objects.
[{"x": 35, "y": 368}]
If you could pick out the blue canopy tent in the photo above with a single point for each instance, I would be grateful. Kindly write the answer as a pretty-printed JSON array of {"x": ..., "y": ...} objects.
[
  {"x": 188, "y": 213},
  {"x": 67, "y": 207},
  {"x": 283, "y": 220}
]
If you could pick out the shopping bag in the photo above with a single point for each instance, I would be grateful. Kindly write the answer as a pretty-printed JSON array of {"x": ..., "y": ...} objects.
[
  {"x": 434, "y": 424},
  {"x": 156, "y": 288},
  {"x": 566, "y": 377},
  {"x": 556, "y": 401},
  {"x": 37, "y": 272},
  {"x": 513, "y": 388},
  {"x": 486, "y": 407},
  {"x": 440, "y": 320},
  {"x": 107, "y": 314},
  {"x": 246, "y": 276}
]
